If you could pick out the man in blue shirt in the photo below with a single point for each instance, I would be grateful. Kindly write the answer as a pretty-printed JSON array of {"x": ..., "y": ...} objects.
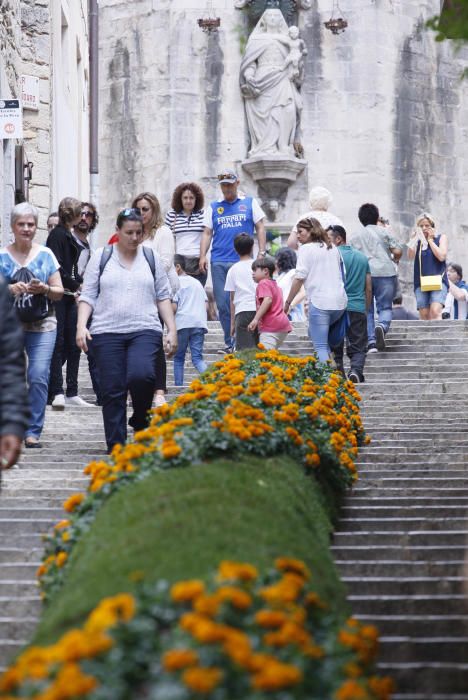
[
  {"x": 358, "y": 287},
  {"x": 224, "y": 220}
]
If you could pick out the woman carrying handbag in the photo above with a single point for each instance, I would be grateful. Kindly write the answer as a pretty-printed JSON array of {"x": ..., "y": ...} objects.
[{"x": 428, "y": 249}]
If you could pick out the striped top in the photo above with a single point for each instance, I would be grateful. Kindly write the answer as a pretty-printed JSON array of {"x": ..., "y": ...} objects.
[{"x": 187, "y": 230}]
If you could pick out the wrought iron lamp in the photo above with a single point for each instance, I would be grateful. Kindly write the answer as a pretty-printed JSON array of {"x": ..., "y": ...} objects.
[
  {"x": 336, "y": 24},
  {"x": 210, "y": 23}
]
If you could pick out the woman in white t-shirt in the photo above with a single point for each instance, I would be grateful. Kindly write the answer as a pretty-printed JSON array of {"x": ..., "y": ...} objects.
[
  {"x": 185, "y": 219},
  {"x": 320, "y": 268}
]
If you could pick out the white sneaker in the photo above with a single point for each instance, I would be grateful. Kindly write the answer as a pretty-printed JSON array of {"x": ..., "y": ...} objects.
[
  {"x": 159, "y": 400},
  {"x": 58, "y": 404},
  {"x": 76, "y": 401}
]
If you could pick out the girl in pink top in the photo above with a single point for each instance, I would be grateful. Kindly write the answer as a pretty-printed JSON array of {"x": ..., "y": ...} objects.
[{"x": 270, "y": 318}]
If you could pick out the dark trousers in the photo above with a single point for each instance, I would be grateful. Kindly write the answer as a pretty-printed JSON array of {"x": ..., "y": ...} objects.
[
  {"x": 126, "y": 362},
  {"x": 245, "y": 338},
  {"x": 161, "y": 366},
  {"x": 66, "y": 349},
  {"x": 356, "y": 343},
  {"x": 94, "y": 374}
]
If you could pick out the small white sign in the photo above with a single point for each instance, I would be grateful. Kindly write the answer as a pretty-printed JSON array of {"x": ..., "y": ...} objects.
[
  {"x": 30, "y": 92},
  {"x": 11, "y": 119}
]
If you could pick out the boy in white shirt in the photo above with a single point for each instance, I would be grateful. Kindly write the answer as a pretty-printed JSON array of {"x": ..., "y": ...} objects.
[
  {"x": 241, "y": 288},
  {"x": 190, "y": 305}
]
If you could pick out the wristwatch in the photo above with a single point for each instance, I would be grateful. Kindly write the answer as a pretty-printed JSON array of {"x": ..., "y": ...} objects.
[{"x": 262, "y": 253}]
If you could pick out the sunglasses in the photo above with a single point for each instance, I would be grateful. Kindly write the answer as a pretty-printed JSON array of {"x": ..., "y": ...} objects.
[
  {"x": 130, "y": 212},
  {"x": 227, "y": 176},
  {"x": 86, "y": 213}
]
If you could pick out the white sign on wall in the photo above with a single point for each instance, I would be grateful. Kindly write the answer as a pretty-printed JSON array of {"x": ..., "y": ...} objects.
[
  {"x": 11, "y": 119},
  {"x": 30, "y": 92}
]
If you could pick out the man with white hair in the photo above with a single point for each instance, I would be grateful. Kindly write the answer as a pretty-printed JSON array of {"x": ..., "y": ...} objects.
[{"x": 320, "y": 200}]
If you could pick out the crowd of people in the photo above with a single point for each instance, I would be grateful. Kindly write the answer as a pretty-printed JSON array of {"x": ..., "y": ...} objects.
[{"x": 141, "y": 298}]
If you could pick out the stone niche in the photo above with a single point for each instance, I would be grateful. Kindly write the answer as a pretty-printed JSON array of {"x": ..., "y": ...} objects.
[{"x": 271, "y": 76}]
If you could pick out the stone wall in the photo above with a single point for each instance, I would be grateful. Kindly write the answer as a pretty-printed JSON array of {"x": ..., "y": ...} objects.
[
  {"x": 9, "y": 72},
  {"x": 47, "y": 39},
  {"x": 385, "y": 115}
]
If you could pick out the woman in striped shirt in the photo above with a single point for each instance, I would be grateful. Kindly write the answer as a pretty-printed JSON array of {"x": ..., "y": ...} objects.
[{"x": 185, "y": 219}]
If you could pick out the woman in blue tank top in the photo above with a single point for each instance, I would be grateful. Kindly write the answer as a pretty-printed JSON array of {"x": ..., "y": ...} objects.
[{"x": 428, "y": 249}]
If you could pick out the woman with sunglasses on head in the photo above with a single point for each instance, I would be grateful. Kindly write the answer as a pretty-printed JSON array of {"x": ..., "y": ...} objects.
[
  {"x": 185, "y": 219},
  {"x": 126, "y": 299}
]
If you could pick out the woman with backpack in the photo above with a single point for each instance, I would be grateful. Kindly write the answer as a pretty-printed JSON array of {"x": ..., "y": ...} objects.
[
  {"x": 32, "y": 271},
  {"x": 126, "y": 289}
]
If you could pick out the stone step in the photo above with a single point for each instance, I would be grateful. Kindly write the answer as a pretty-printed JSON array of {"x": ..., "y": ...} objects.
[
  {"x": 18, "y": 588},
  {"x": 432, "y": 648},
  {"x": 30, "y": 514},
  {"x": 25, "y": 525},
  {"x": 413, "y": 538},
  {"x": 9, "y": 648},
  {"x": 24, "y": 606},
  {"x": 416, "y": 494},
  {"x": 18, "y": 570},
  {"x": 398, "y": 568},
  {"x": 404, "y": 511},
  {"x": 14, "y": 627},
  {"x": 361, "y": 501},
  {"x": 408, "y": 585},
  {"x": 432, "y": 678},
  {"x": 408, "y": 604},
  {"x": 419, "y": 625},
  {"x": 383, "y": 554},
  {"x": 448, "y": 524},
  {"x": 21, "y": 555}
]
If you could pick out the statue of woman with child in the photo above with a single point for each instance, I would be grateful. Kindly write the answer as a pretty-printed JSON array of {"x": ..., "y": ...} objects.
[{"x": 271, "y": 74}]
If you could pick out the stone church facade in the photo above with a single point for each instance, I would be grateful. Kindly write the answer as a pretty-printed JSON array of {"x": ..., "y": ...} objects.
[{"x": 384, "y": 115}]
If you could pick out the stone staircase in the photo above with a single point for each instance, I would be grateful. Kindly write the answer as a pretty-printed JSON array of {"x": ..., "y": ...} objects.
[
  {"x": 402, "y": 538},
  {"x": 400, "y": 544}
]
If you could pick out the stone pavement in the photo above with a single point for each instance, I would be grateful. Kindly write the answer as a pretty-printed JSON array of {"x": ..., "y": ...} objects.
[{"x": 401, "y": 540}]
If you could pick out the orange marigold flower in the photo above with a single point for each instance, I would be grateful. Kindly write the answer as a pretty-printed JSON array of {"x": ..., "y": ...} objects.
[
  {"x": 382, "y": 687},
  {"x": 177, "y": 659},
  {"x": 73, "y": 502},
  {"x": 351, "y": 690},
  {"x": 271, "y": 618},
  {"x": 238, "y": 598},
  {"x": 170, "y": 449},
  {"x": 187, "y": 591},
  {"x": 233, "y": 570},
  {"x": 202, "y": 680},
  {"x": 61, "y": 558},
  {"x": 276, "y": 676},
  {"x": 207, "y": 605},
  {"x": 61, "y": 524},
  {"x": 294, "y": 565},
  {"x": 312, "y": 459}
]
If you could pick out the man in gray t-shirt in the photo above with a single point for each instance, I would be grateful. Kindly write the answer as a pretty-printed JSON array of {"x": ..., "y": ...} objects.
[{"x": 382, "y": 251}]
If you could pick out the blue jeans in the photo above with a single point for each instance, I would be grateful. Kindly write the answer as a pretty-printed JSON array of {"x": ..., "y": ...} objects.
[
  {"x": 125, "y": 362},
  {"x": 320, "y": 321},
  {"x": 193, "y": 337},
  {"x": 39, "y": 349},
  {"x": 383, "y": 293},
  {"x": 219, "y": 272}
]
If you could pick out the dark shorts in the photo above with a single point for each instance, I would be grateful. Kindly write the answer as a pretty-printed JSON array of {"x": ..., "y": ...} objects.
[{"x": 245, "y": 338}]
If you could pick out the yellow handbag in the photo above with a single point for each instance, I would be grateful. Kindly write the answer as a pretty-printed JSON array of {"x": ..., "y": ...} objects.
[{"x": 429, "y": 283}]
